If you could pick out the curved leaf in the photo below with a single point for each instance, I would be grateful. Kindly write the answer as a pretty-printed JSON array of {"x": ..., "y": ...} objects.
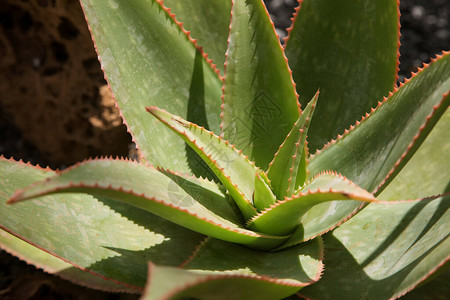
[
  {"x": 187, "y": 201},
  {"x": 100, "y": 236},
  {"x": 438, "y": 288},
  {"x": 427, "y": 173},
  {"x": 56, "y": 266},
  {"x": 185, "y": 284},
  {"x": 288, "y": 167},
  {"x": 348, "y": 49},
  {"x": 172, "y": 75},
  {"x": 385, "y": 250},
  {"x": 369, "y": 151},
  {"x": 327, "y": 190},
  {"x": 208, "y": 21},
  {"x": 236, "y": 172},
  {"x": 240, "y": 273},
  {"x": 259, "y": 99}
]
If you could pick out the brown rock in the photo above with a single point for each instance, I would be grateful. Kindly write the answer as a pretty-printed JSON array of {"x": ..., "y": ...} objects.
[{"x": 51, "y": 82}]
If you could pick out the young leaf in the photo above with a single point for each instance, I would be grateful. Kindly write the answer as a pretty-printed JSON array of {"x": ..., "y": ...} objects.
[
  {"x": 303, "y": 173},
  {"x": 387, "y": 249},
  {"x": 193, "y": 203},
  {"x": 318, "y": 198},
  {"x": 259, "y": 100},
  {"x": 288, "y": 168},
  {"x": 263, "y": 196},
  {"x": 234, "y": 170},
  {"x": 367, "y": 153},
  {"x": 172, "y": 75},
  {"x": 348, "y": 49},
  {"x": 242, "y": 273}
]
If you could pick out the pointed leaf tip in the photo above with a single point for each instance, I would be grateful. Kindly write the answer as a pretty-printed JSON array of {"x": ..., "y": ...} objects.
[
  {"x": 237, "y": 173},
  {"x": 310, "y": 208},
  {"x": 287, "y": 171},
  {"x": 258, "y": 110},
  {"x": 140, "y": 25},
  {"x": 176, "y": 198}
]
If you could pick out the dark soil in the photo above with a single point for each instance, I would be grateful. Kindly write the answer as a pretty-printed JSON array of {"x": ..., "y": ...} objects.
[{"x": 425, "y": 33}]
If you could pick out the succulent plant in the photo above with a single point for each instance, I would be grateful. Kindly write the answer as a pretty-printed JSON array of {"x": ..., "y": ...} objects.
[{"x": 226, "y": 200}]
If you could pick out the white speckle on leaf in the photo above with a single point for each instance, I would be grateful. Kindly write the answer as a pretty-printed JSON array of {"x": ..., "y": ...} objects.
[{"x": 113, "y": 4}]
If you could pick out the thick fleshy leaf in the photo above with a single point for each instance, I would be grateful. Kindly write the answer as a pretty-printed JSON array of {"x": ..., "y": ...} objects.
[
  {"x": 56, "y": 266},
  {"x": 385, "y": 250},
  {"x": 303, "y": 174},
  {"x": 427, "y": 172},
  {"x": 369, "y": 151},
  {"x": 208, "y": 21},
  {"x": 101, "y": 236},
  {"x": 172, "y": 75},
  {"x": 319, "y": 199},
  {"x": 193, "y": 203},
  {"x": 238, "y": 272},
  {"x": 424, "y": 175},
  {"x": 348, "y": 49},
  {"x": 259, "y": 100},
  {"x": 263, "y": 196},
  {"x": 237, "y": 173},
  {"x": 437, "y": 288},
  {"x": 288, "y": 168},
  {"x": 185, "y": 284}
]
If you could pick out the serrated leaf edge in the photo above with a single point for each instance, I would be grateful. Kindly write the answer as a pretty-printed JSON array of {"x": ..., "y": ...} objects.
[
  {"x": 28, "y": 164},
  {"x": 196, "y": 251},
  {"x": 15, "y": 198},
  {"x": 413, "y": 144},
  {"x": 309, "y": 192},
  {"x": 205, "y": 55},
  {"x": 413, "y": 286},
  {"x": 226, "y": 62},
  {"x": 213, "y": 161},
  {"x": 171, "y": 16},
  {"x": 211, "y": 277},
  {"x": 397, "y": 61},
  {"x": 410, "y": 288},
  {"x": 120, "y": 283},
  {"x": 294, "y": 19},
  {"x": 307, "y": 121},
  {"x": 380, "y": 103},
  {"x": 293, "y": 22}
]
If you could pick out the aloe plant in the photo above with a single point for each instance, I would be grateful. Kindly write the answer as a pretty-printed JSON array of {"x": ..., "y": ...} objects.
[{"x": 249, "y": 186}]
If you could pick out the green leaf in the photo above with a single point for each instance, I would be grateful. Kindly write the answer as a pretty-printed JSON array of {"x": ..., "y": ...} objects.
[
  {"x": 348, "y": 49},
  {"x": 208, "y": 21},
  {"x": 239, "y": 175},
  {"x": 319, "y": 199},
  {"x": 288, "y": 168},
  {"x": 172, "y": 75},
  {"x": 193, "y": 203},
  {"x": 302, "y": 174},
  {"x": 263, "y": 196},
  {"x": 438, "y": 288},
  {"x": 187, "y": 284},
  {"x": 367, "y": 153},
  {"x": 99, "y": 235},
  {"x": 385, "y": 250},
  {"x": 427, "y": 172},
  {"x": 238, "y": 272},
  {"x": 56, "y": 266},
  {"x": 259, "y": 100}
]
